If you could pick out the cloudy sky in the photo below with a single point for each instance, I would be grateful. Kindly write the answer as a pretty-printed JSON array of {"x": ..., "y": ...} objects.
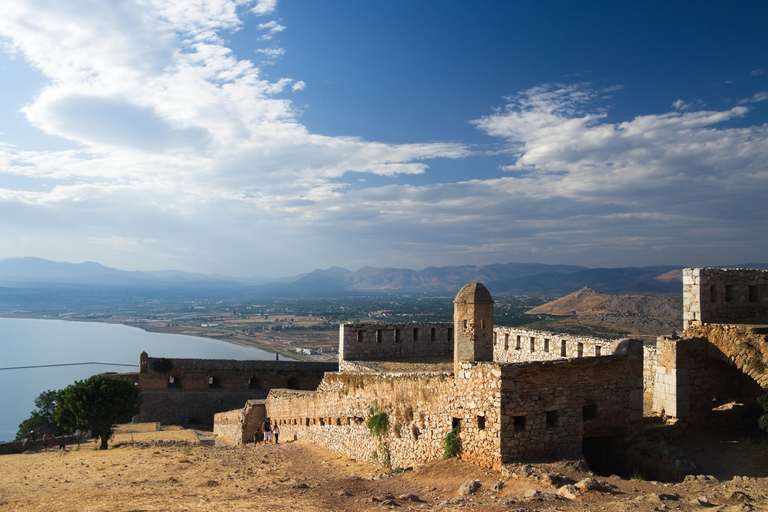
[{"x": 275, "y": 137}]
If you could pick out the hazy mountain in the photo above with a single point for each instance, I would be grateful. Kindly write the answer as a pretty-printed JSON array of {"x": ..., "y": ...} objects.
[
  {"x": 37, "y": 273},
  {"x": 591, "y": 302}
]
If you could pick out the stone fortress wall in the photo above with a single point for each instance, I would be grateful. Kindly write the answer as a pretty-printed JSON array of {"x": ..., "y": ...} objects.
[
  {"x": 367, "y": 341},
  {"x": 719, "y": 295},
  {"x": 194, "y": 390},
  {"x": 518, "y": 345}
]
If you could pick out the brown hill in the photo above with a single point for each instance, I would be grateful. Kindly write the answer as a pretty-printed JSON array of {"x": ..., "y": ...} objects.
[
  {"x": 631, "y": 314},
  {"x": 591, "y": 302}
]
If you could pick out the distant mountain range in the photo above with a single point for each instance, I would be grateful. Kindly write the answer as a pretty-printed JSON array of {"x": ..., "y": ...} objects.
[{"x": 38, "y": 273}]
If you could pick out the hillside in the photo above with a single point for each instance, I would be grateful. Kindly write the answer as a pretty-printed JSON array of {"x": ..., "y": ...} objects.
[{"x": 632, "y": 314}]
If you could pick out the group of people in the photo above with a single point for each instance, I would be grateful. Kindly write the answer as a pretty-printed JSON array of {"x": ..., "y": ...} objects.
[{"x": 271, "y": 431}]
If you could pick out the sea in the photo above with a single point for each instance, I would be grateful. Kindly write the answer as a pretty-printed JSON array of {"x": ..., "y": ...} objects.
[{"x": 29, "y": 349}]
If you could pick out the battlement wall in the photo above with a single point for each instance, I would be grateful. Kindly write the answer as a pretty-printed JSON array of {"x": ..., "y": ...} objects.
[
  {"x": 367, "y": 341},
  {"x": 517, "y": 345},
  {"x": 229, "y": 374},
  {"x": 723, "y": 295},
  {"x": 506, "y": 411}
]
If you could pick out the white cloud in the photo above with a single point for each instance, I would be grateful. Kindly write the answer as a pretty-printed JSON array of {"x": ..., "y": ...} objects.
[
  {"x": 272, "y": 28},
  {"x": 757, "y": 72},
  {"x": 263, "y": 7},
  {"x": 755, "y": 98}
]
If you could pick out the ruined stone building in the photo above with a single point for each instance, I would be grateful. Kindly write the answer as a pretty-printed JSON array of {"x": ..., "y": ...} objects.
[{"x": 519, "y": 394}]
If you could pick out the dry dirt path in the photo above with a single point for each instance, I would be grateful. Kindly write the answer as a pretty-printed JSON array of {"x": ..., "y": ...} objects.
[{"x": 301, "y": 477}]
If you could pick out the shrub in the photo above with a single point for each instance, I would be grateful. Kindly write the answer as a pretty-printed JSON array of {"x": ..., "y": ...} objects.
[
  {"x": 452, "y": 443},
  {"x": 762, "y": 421},
  {"x": 378, "y": 424}
]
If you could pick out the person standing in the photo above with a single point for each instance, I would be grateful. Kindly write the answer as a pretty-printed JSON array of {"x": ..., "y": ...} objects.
[
  {"x": 266, "y": 427},
  {"x": 275, "y": 432}
]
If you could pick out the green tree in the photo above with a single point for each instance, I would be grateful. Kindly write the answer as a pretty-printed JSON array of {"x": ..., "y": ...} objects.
[
  {"x": 42, "y": 416},
  {"x": 95, "y": 404}
]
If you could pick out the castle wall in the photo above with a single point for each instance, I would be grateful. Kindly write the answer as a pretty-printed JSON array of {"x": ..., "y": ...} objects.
[
  {"x": 517, "y": 345},
  {"x": 232, "y": 374},
  {"x": 178, "y": 406},
  {"x": 336, "y": 415},
  {"x": 715, "y": 295},
  {"x": 743, "y": 346},
  {"x": 378, "y": 341},
  {"x": 549, "y": 407},
  {"x": 240, "y": 425},
  {"x": 487, "y": 399}
]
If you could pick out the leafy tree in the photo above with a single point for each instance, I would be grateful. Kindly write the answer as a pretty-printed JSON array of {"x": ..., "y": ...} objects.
[
  {"x": 95, "y": 404},
  {"x": 42, "y": 416},
  {"x": 762, "y": 421}
]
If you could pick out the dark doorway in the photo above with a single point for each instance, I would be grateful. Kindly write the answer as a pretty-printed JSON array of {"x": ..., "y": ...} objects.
[
  {"x": 600, "y": 453},
  {"x": 293, "y": 383}
]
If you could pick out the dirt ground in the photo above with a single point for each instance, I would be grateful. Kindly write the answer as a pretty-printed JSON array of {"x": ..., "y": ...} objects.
[{"x": 187, "y": 472}]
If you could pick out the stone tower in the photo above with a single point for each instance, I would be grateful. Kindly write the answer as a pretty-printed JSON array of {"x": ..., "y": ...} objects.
[{"x": 472, "y": 325}]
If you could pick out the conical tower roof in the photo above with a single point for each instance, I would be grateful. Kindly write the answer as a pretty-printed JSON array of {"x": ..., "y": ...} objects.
[{"x": 474, "y": 293}]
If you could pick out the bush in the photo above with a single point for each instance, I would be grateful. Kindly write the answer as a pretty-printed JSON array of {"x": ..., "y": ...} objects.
[
  {"x": 762, "y": 421},
  {"x": 378, "y": 424},
  {"x": 452, "y": 443}
]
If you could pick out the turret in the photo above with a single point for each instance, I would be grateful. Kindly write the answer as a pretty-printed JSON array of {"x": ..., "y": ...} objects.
[{"x": 473, "y": 325}]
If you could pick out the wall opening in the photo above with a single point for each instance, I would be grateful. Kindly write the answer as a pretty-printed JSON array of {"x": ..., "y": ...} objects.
[
  {"x": 601, "y": 455},
  {"x": 359, "y": 336},
  {"x": 730, "y": 293},
  {"x": 432, "y": 334},
  {"x": 563, "y": 348},
  {"x": 589, "y": 411},
  {"x": 533, "y": 344},
  {"x": 519, "y": 423},
  {"x": 481, "y": 422},
  {"x": 254, "y": 383},
  {"x": 580, "y": 350},
  {"x": 455, "y": 422},
  {"x": 415, "y": 334},
  {"x": 450, "y": 334},
  {"x": 546, "y": 344},
  {"x": 518, "y": 343},
  {"x": 213, "y": 382},
  {"x": 379, "y": 336},
  {"x": 506, "y": 341},
  {"x": 552, "y": 419},
  {"x": 753, "y": 294},
  {"x": 397, "y": 336},
  {"x": 598, "y": 350},
  {"x": 293, "y": 383}
]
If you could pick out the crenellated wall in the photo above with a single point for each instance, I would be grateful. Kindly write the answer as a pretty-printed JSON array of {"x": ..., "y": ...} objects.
[
  {"x": 487, "y": 399},
  {"x": 517, "y": 345},
  {"x": 231, "y": 374},
  {"x": 378, "y": 341},
  {"x": 720, "y": 295}
]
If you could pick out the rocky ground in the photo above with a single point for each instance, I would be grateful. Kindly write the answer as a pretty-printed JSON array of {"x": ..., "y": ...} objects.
[{"x": 177, "y": 470}]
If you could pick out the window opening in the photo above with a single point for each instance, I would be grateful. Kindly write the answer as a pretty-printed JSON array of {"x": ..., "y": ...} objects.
[
  {"x": 518, "y": 343},
  {"x": 546, "y": 344},
  {"x": 397, "y": 336},
  {"x": 589, "y": 412},
  {"x": 598, "y": 350},
  {"x": 360, "y": 336},
  {"x": 455, "y": 422},
  {"x": 506, "y": 341},
  {"x": 481, "y": 422},
  {"x": 563, "y": 347},
  {"x": 519, "y": 423},
  {"x": 378, "y": 336},
  {"x": 415, "y": 334},
  {"x": 533, "y": 344},
  {"x": 551, "y": 419},
  {"x": 450, "y": 334},
  {"x": 753, "y": 294},
  {"x": 730, "y": 293},
  {"x": 580, "y": 350},
  {"x": 432, "y": 333}
]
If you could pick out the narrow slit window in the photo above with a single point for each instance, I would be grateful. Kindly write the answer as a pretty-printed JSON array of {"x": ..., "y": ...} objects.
[
  {"x": 432, "y": 334},
  {"x": 397, "y": 336},
  {"x": 753, "y": 297},
  {"x": 730, "y": 293},
  {"x": 533, "y": 344},
  {"x": 518, "y": 343},
  {"x": 360, "y": 336},
  {"x": 379, "y": 336},
  {"x": 580, "y": 350},
  {"x": 506, "y": 341},
  {"x": 481, "y": 422},
  {"x": 563, "y": 348},
  {"x": 415, "y": 334},
  {"x": 519, "y": 423},
  {"x": 546, "y": 344},
  {"x": 450, "y": 334},
  {"x": 598, "y": 350}
]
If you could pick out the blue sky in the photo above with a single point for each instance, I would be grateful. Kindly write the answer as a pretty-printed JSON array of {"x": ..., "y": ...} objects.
[{"x": 276, "y": 137}]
